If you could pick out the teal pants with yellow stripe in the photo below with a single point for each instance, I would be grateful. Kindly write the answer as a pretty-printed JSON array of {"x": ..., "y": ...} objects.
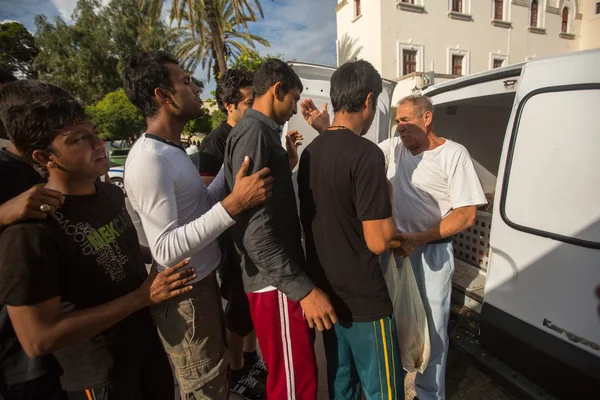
[{"x": 364, "y": 355}]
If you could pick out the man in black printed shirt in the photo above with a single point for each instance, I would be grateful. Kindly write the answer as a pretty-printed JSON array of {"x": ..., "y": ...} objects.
[{"x": 74, "y": 283}]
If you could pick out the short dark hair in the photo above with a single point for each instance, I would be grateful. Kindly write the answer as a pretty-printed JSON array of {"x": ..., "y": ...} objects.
[
  {"x": 272, "y": 71},
  {"x": 6, "y": 76},
  {"x": 22, "y": 92},
  {"x": 34, "y": 125},
  {"x": 351, "y": 84},
  {"x": 228, "y": 87},
  {"x": 145, "y": 72}
]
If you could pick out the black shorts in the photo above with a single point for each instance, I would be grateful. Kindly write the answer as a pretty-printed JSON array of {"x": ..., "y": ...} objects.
[{"x": 237, "y": 310}]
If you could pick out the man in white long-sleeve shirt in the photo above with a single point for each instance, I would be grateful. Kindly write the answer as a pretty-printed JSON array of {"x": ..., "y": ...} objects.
[{"x": 182, "y": 219}]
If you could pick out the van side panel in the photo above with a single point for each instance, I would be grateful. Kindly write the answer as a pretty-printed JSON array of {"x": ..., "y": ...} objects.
[{"x": 540, "y": 312}]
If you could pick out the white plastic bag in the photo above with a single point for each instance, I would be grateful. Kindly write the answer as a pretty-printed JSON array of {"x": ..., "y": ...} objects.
[{"x": 411, "y": 320}]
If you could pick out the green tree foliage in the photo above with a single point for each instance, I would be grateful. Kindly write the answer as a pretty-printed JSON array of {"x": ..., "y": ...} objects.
[
  {"x": 86, "y": 57},
  {"x": 116, "y": 118},
  {"x": 217, "y": 118},
  {"x": 212, "y": 25},
  {"x": 17, "y": 49},
  {"x": 250, "y": 61},
  {"x": 202, "y": 125},
  {"x": 196, "y": 46}
]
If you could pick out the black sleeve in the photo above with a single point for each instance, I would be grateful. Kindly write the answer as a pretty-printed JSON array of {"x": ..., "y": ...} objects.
[
  {"x": 29, "y": 260},
  {"x": 211, "y": 155},
  {"x": 369, "y": 183}
]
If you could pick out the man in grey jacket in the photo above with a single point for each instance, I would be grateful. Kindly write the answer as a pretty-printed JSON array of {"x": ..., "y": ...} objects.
[{"x": 282, "y": 298}]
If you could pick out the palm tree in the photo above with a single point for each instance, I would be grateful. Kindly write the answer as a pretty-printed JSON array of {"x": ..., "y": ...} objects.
[
  {"x": 347, "y": 49},
  {"x": 206, "y": 12},
  {"x": 199, "y": 47}
]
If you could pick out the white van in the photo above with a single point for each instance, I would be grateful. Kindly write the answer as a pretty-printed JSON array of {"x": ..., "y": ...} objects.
[
  {"x": 531, "y": 263},
  {"x": 533, "y": 131}
]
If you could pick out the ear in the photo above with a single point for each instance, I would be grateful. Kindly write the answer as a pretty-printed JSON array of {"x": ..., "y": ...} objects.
[
  {"x": 43, "y": 158},
  {"x": 428, "y": 118},
  {"x": 229, "y": 107},
  {"x": 369, "y": 102},
  {"x": 278, "y": 91},
  {"x": 162, "y": 96}
]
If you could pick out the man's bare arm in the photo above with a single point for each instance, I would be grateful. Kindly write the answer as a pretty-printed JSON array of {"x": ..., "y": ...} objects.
[
  {"x": 378, "y": 234},
  {"x": 458, "y": 220},
  {"x": 43, "y": 328}
]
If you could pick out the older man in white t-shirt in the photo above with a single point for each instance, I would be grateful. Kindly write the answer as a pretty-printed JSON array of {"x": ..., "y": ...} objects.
[{"x": 436, "y": 194}]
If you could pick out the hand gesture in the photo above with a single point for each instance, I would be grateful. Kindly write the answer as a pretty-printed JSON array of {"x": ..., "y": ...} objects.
[
  {"x": 249, "y": 191},
  {"x": 319, "y": 120},
  {"x": 35, "y": 203},
  {"x": 159, "y": 287},
  {"x": 318, "y": 310},
  {"x": 293, "y": 140}
]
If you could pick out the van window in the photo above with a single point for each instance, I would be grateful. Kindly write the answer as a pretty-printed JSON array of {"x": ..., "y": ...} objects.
[{"x": 552, "y": 184}]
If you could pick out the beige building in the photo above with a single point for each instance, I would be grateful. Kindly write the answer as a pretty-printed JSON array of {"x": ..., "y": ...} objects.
[
  {"x": 590, "y": 25},
  {"x": 419, "y": 42}
]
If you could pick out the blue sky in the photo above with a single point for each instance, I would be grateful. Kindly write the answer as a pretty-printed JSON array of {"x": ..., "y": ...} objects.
[{"x": 304, "y": 30}]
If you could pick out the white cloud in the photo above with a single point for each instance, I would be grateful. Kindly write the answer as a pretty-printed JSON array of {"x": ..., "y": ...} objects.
[
  {"x": 65, "y": 7},
  {"x": 301, "y": 30},
  {"x": 298, "y": 30}
]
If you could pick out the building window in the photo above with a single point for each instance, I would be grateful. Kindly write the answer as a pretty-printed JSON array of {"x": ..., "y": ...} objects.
[
  {"x": 457, "y": 6},
  {"x": 598, "y": 7},
  {"x": 458, "y": 61},
  {"x": 357, "y": 12},
  {"x": 499, "y": 10},
  {"x": 498, "y": 60},
  {"x": 409, "y": 61},
  {"x": 457, "y": 64},
  {"x": 565, "y": 20},
  {"x": 410, "y": 58},
  {"x": 534, "y": 14},
  {"x": 409, "y": 1}
]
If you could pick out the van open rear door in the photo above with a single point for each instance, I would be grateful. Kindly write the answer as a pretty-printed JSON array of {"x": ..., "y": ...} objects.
[{"x": 540, "y": 311}]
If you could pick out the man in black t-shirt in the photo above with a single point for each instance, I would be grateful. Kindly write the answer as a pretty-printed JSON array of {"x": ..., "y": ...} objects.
[
  {"x": 74, "y": 283},
  {"x": 234, "y": 96},
  {"x": 346, "y": 214}
]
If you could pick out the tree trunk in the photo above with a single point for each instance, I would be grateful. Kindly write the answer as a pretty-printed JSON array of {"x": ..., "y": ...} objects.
[{"x": 216, "y": 36}]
